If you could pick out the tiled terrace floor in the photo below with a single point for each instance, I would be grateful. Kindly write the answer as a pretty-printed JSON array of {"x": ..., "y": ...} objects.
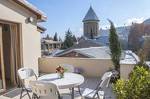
[{"x": 89, "y": 83}]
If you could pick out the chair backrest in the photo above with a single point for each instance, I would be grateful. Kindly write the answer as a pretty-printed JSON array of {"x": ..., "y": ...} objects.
[
  {"x": 105, "y": 79},
  {"x": 68, "y": 67},
  {"x": 104, "y": 82},
  {"x": 43, "y": 89},
  {"x": 25, "y": 73}
]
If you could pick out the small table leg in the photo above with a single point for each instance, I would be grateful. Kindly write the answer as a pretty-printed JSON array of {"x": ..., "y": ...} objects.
[{"x": 72, "y": 95}]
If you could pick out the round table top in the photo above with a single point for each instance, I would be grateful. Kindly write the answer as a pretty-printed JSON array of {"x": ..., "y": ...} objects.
[{"x": 70, "y": 80}]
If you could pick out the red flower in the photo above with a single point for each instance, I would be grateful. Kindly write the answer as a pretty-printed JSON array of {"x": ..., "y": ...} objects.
[{"x": 60, "y": 69}]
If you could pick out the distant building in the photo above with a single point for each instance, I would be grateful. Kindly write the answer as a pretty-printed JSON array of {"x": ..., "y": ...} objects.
[
  {"x": 123, "y": 33},
  {"x": 80, "y": 45},
  {"x": 103, "y": 52},
  {"x": 91, "y": 52},
  {"x": 49, "y": 45}
]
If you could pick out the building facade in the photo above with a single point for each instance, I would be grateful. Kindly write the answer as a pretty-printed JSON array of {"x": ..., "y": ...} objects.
[
  {"x": 19, "y": 39},
  {"x": 48, "y": 46}
]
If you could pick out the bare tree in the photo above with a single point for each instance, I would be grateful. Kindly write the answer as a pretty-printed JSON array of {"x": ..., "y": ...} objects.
[{"x": 136, "y": 32}]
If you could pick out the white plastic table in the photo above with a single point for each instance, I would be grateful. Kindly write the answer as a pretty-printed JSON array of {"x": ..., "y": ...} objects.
[{"x": 70, "y": 80}]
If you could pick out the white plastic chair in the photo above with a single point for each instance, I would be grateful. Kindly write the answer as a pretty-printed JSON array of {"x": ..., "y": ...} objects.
[
  {"x": 43, "y": 90},
  {"x": 98, "y": 92},
  {"x": 25, "y": 73}
]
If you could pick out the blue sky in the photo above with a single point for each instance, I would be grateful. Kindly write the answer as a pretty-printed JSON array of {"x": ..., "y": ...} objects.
[{"x": 64, "y": 14}]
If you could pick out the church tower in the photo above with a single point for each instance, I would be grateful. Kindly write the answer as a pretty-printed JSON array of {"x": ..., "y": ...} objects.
[{"x": 91, "y": 24}]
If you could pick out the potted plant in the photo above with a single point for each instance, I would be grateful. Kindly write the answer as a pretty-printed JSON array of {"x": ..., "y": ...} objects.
[{"x": 60, "y": 71}]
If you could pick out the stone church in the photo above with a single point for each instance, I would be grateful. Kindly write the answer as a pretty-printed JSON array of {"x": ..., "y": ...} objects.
[
  {"x": 91, "y": 24},
  {"x": 91, "y": 30}
]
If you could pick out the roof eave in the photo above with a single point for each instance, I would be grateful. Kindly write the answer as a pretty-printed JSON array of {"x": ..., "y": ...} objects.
[
  {"x": 89, "y": 56},
  {"x": 40, "y": 16}
]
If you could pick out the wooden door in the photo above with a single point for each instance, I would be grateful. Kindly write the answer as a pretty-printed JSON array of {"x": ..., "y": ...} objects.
[{"x": 2, "y": 69}]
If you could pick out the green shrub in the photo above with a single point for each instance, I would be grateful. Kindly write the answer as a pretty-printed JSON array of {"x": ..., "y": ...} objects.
[
  {"x": 136, "y": 87},
  {"x": 119, "y": 88}
]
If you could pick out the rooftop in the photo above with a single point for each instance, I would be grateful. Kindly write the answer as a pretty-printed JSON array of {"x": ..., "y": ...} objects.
[
  {"x": 91, "y": 15},
  {"x": 81, "y": 44},
  {"x": 32, "y": 8},
  {"x": 129, "y": 58},
  {"x": 51, "y": 42},
  {"x": 95, "y": 52}
]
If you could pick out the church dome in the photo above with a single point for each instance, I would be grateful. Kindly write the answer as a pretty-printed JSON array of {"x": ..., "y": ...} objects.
[{"x": 90, "y": 16}]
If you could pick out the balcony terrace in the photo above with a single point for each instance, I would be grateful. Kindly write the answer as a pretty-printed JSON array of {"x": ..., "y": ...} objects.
[
  {"x": 90, "y": 82},
  {"x": 91, "y": 68}
]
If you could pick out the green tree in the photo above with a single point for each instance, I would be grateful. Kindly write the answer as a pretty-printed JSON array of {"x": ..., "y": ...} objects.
[
  {"x": 74, "y": 39},
  {"x": 55, "y": 37},
  {"x": 68, "y": 42},
  {"x": 114, "y": 46},
  {"x": 136, "y": 33},
  {"x": 47, "y": 37},
  {"x": 136, "y": 87},
  {"x": 144, "y": 52},
  {"x": 60, "y": 39}
]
